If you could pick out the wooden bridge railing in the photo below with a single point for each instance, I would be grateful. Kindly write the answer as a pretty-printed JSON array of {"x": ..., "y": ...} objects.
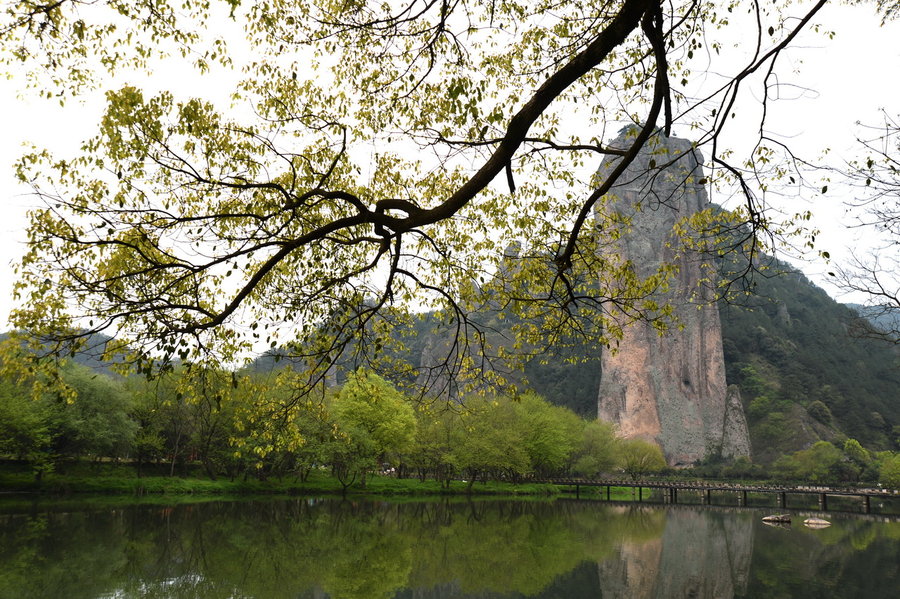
[
  {"x": 716, "y": 486},
  {"x": 671, "y": 488}
]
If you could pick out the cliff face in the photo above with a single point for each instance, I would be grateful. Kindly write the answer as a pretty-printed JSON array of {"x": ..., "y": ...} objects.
[{"x": 669, "y": 389}]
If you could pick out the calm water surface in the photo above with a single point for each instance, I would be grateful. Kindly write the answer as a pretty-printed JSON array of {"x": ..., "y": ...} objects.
[{"x": 328, "y": 548}]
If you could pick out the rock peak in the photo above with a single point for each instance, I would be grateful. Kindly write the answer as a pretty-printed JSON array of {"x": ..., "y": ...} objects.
[{"x": 669, "y": 389}]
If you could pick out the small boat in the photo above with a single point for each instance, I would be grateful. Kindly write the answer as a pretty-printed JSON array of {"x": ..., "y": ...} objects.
[
  {"x": 778, "y": 518},
  {"x": 816, "y": 523}
]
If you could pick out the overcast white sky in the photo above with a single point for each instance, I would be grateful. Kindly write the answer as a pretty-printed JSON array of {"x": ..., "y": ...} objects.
[{"x": 853, "y": 76}]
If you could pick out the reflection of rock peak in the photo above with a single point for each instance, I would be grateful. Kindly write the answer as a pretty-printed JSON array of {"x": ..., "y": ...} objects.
[
  {"x": 701, "y": 554},
  {"x": 668, "y": 389}
]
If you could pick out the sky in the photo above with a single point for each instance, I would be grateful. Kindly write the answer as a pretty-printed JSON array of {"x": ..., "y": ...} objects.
[{"x": 838, "y": 84}]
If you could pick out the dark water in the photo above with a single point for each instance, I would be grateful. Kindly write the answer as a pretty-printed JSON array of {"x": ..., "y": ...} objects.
[{"x": 327, "y": 548}]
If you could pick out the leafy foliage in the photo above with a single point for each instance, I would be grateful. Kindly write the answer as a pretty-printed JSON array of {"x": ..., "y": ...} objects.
[
  {"x": 97, "y": 423},
  {"x": 640, "y": 458},
  {"x": 821, "y": 463},
  {"x": 376, "y": 425},
  {"x": 599, "y": 451},
  {"x": 890, "y": 471},
  {"x": 26, "y": 431},
  {"x": 357, "y": 174}
]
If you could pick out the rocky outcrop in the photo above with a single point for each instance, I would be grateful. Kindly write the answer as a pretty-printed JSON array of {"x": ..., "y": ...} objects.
[
  {"x": 669, "y": 389},
  {"x": 735, "y": 432}
]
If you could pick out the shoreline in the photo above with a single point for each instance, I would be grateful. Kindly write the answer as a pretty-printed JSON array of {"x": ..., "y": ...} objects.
[{"x": 56, "y": 485}]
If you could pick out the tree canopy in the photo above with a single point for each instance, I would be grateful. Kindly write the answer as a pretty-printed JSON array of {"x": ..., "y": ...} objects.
[{"x": 373, "y": 158}]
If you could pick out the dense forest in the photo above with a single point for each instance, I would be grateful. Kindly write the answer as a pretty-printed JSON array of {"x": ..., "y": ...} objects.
[
  {"x": 251, "y": 424},
  {"x": 254, "y": 424}
]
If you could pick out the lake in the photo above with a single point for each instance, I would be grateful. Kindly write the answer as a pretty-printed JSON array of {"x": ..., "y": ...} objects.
[{"x": 343, "y": 549}]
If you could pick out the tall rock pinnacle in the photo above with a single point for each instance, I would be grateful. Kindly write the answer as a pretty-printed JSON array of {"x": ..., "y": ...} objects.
[{"x": 669, "y": 389}]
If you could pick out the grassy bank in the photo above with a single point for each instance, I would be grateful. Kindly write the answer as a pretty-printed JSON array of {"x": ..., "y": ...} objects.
[{"x": 122, "y": 480}]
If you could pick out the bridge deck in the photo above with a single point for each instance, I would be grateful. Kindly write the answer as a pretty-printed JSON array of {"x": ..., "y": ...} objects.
[{"x": 713, "y": 486}]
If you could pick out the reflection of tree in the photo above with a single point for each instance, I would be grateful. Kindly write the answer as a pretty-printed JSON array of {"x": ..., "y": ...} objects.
[
  {"x": 369, "y": 560},
  {"x": 41, "y": 556},
  {"x": 19, "y": 549},
  {"x": 520, "y": 552},
  {"x": 344, "y": 550},
  {"x": 519, "y": 547},
  {"x": 851, "y": 558}
]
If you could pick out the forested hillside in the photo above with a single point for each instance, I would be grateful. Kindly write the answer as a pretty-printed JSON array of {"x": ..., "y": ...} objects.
[{"x": 804, "y": 375}]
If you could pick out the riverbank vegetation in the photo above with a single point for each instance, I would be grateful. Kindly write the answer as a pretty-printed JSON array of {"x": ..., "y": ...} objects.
[
  {"x": 203, "y": 431},
  {"x": 121, "y": 479},
  {"x": 233, "y": 429}
]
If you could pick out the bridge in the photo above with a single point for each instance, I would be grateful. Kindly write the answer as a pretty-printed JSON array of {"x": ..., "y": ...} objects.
[{"x": 705, "y": 489}]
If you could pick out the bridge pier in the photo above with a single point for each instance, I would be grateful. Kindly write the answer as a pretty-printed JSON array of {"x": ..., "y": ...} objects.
[
  {"x": 782, "y": 499},
  {"x": 607, "y": 492},
  {"x": 823, "y": 501},
  {"x": 867, "y": 505},
  {"x": 708, "y": 495}
]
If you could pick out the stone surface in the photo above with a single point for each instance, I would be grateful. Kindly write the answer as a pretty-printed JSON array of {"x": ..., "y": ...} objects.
[
  {"x": 669, "y": 389},
  {"x": 816, "y": 523},
  {"x": 735, "y": 432}
]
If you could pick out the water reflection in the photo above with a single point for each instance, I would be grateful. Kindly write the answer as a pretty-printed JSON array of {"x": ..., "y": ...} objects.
[
  {"x": 422, "y": 550},
  {"x": 700, "y": 554}
]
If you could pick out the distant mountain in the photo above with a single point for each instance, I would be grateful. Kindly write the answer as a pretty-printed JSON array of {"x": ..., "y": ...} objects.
[
  {"x": 884, "y": 318},
  {"x": 90, "y": 355}
]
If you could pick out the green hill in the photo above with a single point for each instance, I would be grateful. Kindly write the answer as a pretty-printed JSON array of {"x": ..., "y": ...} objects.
[{"x": 803, "y": 374}]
